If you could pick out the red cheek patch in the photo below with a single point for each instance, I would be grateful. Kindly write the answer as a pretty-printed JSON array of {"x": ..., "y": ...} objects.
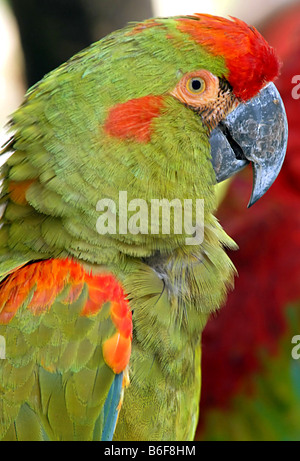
[{"x": 132, "y": 119}]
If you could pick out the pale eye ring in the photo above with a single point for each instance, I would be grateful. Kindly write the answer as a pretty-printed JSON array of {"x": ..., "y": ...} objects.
[{"x": 196, "y": 85}]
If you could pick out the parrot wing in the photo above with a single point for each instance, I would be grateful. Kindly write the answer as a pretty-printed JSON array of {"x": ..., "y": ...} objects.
[{"x": 68, "y": 333}]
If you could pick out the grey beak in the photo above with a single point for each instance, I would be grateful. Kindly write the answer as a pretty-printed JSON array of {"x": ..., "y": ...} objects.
[{"x": 255, "y": 132}]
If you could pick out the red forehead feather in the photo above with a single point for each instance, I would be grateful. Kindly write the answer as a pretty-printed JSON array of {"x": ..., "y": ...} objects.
[{"x": 250, "y": 60}]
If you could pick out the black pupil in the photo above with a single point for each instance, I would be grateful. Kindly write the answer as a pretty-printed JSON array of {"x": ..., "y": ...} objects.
[{"x": 196, "y": 85}]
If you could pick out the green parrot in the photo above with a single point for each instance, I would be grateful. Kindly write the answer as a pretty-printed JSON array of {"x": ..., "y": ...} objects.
[{"x": 101, "y": 307}]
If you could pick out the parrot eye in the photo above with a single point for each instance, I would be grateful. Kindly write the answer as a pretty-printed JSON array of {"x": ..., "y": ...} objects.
[
  {"x": 197, "y": 88},
  {"x": 196, "y": 85}
]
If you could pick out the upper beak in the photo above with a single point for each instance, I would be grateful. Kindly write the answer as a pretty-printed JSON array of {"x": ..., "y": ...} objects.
[{"x": 255, "y": 132}]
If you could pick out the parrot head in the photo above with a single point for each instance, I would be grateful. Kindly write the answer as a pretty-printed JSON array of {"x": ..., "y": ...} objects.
[
  {"x": 162, "y": 109},
  {"x": 223, "y": 73}
]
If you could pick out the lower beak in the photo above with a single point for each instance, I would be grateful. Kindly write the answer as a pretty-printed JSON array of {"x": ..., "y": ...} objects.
[{"x": 255, "y": 132}]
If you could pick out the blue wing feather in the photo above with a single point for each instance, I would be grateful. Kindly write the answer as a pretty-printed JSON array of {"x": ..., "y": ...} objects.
[{"x": 110, "y": 408}]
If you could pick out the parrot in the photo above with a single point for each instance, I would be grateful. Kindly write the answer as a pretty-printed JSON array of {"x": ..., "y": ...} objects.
[
  {"x": 251, "y": 376},
  {"x": 102, "y": 320}
]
